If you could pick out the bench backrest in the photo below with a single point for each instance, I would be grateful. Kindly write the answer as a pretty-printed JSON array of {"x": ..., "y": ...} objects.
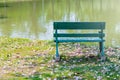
[{"x": 79, "y": 26}]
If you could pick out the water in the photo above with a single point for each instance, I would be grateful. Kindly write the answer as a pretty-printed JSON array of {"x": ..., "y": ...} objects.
[{"x": 34, "y": 19}]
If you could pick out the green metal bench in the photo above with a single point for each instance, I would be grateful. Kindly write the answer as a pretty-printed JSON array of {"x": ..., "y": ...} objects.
[{"x": 79, "y": 37}]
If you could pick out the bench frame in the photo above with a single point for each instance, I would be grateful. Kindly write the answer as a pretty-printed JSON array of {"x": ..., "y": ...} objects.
[{"x": 79, "y": 26}]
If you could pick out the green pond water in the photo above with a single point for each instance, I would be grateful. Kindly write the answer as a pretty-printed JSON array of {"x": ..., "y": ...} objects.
[{"x": 34, "y": 19}]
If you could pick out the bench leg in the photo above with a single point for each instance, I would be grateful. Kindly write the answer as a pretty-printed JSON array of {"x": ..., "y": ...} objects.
[
  {"x": 57, "y": 53},
  {"x": 101, "y": 44}
]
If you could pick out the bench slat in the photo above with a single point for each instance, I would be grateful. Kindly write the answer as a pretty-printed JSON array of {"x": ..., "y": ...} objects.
[
  {"x": 79, "y": 35},
  {"x": 80, "y": 40},
  {"x": 79, "y": 25}
]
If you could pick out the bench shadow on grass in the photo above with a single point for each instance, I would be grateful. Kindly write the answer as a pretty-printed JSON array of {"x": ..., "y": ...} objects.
[{"x": 81, "y": 67}]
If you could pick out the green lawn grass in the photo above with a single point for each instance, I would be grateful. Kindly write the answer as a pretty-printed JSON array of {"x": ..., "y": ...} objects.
[{"x": 24, "y": 59}]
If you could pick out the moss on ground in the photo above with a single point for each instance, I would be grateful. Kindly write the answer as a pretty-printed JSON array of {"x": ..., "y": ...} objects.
[{"x": 24, "y": 59}]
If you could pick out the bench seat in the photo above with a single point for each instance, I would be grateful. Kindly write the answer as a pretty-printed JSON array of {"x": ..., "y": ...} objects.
[{"x": 79, "y": 40}]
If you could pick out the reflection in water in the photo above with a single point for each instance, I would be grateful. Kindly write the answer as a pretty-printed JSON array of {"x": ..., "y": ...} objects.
[
  {"x": 34, "y": 19},
  {"x": 117, "y": 28}
]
